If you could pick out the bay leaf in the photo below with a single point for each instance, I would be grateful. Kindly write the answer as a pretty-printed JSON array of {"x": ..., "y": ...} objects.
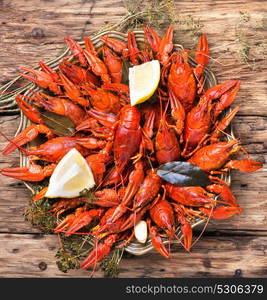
[
  {"x": 125, "y": 71},
  {"x": 60, "y": 125},
  {"x": 183, "y": 173}
]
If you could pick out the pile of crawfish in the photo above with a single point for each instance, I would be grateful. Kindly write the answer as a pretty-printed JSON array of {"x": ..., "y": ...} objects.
[{"x": 124, "y": 145}]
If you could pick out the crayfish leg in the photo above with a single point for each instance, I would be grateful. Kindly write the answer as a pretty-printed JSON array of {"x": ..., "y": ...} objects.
[
  {"x": 157, "y": 241},
  {"x": 222, "y": 212},
  {"x": 100, "y": 251}
]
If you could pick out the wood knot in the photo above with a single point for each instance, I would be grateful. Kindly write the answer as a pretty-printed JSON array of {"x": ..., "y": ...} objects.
[
  {"x": 42, "y": 266},
  {"x": 38, "y": 236},
  {"x": 37, "y": 33},
  {"x": 238, "y": 273},
  {"x": 206, "y": 263}
]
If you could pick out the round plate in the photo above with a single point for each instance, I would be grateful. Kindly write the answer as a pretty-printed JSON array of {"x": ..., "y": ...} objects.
[{"x": 134, "y": 247}]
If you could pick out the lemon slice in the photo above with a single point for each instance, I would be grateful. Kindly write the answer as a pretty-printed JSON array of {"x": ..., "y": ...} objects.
[
  {"x": 71, "y": 176},
  {"x": 143, "y": 81}
]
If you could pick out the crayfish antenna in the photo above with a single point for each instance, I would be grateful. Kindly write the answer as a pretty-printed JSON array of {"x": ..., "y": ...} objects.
[
  {"x": 95, "y": 259},
  {"x": 204, "y": 228}
]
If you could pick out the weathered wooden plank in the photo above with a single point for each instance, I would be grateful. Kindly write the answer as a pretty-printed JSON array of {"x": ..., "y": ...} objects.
[
  {"x": 31, "y": 33},
  {"x": 251, "y": 130},
  {"x": 33, "y": 256}
]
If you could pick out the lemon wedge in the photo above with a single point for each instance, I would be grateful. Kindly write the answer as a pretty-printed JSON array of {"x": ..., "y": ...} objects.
[
  {"x": 71, "y": 176},
  {"x": 143, "y": 81}
]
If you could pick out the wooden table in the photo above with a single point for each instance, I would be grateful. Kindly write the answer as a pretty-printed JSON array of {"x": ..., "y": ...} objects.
[{"x": 32, "y": 31}]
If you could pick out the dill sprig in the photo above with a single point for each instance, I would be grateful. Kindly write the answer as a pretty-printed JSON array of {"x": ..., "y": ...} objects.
[
  {"x": 155, "y": 13},
  {"x": 110, "y": 264},
  {"x": 159, "y": 14},
  {"x": 66, "y": 262},
  {"x": 72, "y": 250},
  {"x": 38, "y": 215},
  {"x": 249, "y": 50},
  {"x": 244, "y": 49}
]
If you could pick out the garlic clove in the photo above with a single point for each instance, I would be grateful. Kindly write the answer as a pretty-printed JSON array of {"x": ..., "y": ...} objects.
[{"x": 140, "y": 231}]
